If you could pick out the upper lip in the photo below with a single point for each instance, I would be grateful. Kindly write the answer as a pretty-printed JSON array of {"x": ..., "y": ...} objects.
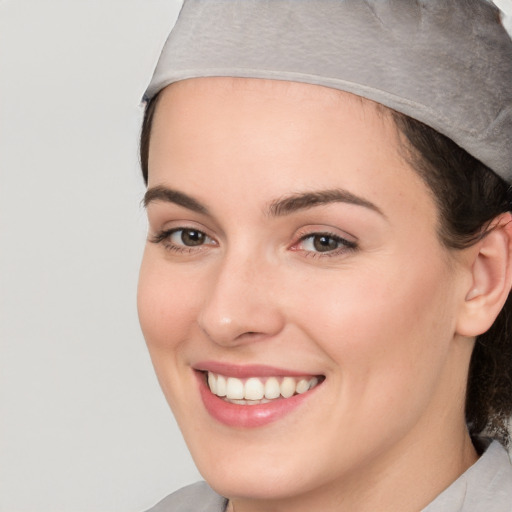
[{"x": 245, "y": 371}]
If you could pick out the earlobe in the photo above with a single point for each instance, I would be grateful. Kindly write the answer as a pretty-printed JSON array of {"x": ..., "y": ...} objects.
[{"x": 491, "y": 278}]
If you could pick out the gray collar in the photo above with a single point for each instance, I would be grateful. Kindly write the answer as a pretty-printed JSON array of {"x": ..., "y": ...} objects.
[{"x": 485, "y": 486}]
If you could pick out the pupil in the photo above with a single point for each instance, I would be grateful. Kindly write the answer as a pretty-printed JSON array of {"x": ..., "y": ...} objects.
[
  {"x": 325, "y": 243},
  {"x": 191, "y": 237}
]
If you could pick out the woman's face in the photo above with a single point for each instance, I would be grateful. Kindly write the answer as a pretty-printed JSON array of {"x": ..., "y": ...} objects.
[{"x": 291, "y": 245}]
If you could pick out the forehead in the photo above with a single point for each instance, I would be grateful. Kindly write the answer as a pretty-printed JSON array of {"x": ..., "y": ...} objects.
[
  {"x": 256, "y": 137},
  {"x": 250, "y": 109},
  {"x": 277, "y": 91},
  {"x": 226, "y": 86}
]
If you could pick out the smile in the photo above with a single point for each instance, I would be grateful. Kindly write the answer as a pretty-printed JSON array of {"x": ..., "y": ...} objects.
[
  {"x": 252, "y": 396},
  {"x": 258, "y": 390}
]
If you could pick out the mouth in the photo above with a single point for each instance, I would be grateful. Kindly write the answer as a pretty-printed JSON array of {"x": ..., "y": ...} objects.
[
  {"x": 259, "y": 390},
  {"x": 253, "y": 396}
]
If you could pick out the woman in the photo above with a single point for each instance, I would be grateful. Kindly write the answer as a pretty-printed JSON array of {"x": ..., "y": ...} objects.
[{"x": 324, "y": 288}]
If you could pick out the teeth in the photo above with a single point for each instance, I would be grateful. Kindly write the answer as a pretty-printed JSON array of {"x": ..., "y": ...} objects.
[
  {"x": 255, "y": 390},
  {"x": 221, "y": 385},
  {"x": 212, "y": 382},
  {"x": 288, "y": 387},
  {"x": 302, "y": 386},
  {"x": 272, "y": 389},
  {"x": 234, "y": 389},
  {"x": 248, "y": 402}
]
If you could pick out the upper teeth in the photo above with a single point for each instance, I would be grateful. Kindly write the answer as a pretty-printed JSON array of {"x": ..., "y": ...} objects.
[{"x": 256, "y": 388}]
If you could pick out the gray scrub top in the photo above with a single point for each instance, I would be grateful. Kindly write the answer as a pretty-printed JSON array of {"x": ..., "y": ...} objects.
[{"x": 485, "y": 486}]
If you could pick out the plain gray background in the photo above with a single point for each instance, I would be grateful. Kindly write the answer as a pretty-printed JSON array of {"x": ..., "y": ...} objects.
[{"x": 83, "y": 424}]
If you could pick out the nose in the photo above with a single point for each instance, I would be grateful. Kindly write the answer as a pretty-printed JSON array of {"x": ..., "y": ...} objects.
[{"x": 242, "y": 304}]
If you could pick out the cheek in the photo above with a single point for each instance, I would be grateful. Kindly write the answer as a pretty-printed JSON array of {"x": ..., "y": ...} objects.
[
  {"x": 167, "y": 302},
  {"x": 386, "y": 332}
]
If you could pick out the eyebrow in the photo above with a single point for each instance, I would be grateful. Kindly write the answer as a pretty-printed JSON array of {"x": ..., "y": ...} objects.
[
  {"x": 302, "y": 201},
  {"x": 168, "y": 195},
  {"x": 280, "y": 207}
]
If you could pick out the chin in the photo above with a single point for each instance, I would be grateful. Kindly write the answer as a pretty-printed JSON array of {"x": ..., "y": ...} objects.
[
  {"x": 257, "y": 482},
  {"x": 263, "y": 468}
]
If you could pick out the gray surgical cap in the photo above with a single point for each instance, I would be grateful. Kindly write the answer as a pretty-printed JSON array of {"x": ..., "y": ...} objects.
[{"x": 447, "y": 63}]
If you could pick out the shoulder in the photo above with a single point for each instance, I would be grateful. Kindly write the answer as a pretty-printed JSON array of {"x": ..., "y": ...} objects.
[
  {"x": 487, "y": 485},
  {"x": 198, "y": 497}
]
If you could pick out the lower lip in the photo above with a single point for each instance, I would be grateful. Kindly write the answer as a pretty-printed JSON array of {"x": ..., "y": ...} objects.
[{"x": 248, "y": 416}]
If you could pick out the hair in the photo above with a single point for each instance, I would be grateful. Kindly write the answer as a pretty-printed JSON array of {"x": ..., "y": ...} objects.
[
  {"x": 145, "y": 135},
  {"x": 469, "y": 196}
]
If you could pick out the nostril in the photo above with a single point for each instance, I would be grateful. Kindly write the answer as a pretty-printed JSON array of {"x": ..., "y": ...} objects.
[{"x": 250, "y": 336}]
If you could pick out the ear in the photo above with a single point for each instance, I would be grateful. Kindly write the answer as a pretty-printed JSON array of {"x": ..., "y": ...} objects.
[{"x": 490, "y": 266}]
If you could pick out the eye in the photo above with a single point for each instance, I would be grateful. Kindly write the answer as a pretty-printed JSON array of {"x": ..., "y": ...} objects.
[
  {"x": 182, "y": 239},
  {"x": 188, "y": 237},
  {"x": 326, "y": 243}
]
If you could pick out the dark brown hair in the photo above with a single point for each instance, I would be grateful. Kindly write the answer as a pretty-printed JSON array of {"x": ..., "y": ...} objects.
[
  {"x": 469, "y": 196},
  {"x": 145, "y": 136}
]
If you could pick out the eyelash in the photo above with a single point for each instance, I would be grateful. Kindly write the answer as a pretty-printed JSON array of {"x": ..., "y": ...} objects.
[
  {"x": 164, "y": 238},
  {"x": 345, "y": 245}
]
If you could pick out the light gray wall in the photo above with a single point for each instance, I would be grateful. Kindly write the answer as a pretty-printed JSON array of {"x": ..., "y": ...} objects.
[{"x": 83, "y": 424}]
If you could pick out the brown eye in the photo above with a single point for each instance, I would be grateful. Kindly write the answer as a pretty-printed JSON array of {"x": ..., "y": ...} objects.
[
  {"x": 190, "y": 237},
  {"x": 317, "y": 243},
  {"x": 183, "y": 239},
  {"x": 324, "y": 243}
]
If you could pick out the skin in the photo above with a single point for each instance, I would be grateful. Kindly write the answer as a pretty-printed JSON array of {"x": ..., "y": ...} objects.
[{"x": 381, "y": 321}]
